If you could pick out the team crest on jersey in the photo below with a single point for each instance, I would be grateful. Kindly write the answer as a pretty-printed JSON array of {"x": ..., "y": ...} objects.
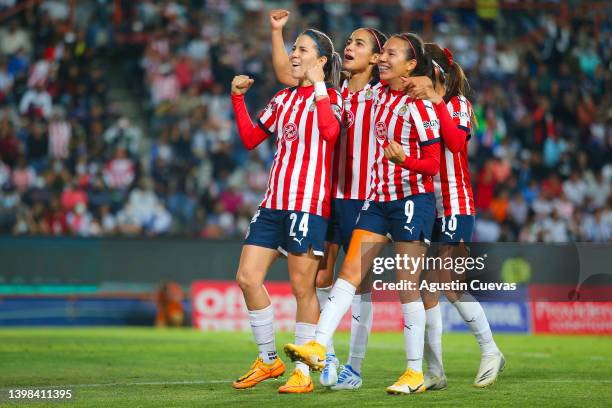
[
  {"x": 290, "y": 132},
  {"x": 403, "y": 110},
  {"x": 337, "y": 110},
  {"x": 369, "y": 94},
  {"x": 349, "y": 118},
  {"x": 381, "y": 131}
]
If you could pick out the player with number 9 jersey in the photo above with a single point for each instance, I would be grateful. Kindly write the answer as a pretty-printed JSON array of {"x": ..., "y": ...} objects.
[{"x": 401, "y": 207}]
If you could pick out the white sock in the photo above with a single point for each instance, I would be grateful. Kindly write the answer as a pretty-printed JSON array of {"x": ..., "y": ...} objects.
[
  {"x": 338, "y": 302},
  {"x": 304, "y": 332},
  {"x": 433, "y": 340},
  {"x": 322, "y": 295},
  {"x": 262, "y": 325},
  {"x": 473, "y": 314},
  {"x": 414, "y": 333},
  {"x": 361, "y": 325}
]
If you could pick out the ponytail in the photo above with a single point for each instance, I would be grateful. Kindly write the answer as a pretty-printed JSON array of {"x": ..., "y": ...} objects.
[
  {"x": 456, "y": 81},
  {"x": 450, "y": 74},
  {"x": 333, "y": 70}
]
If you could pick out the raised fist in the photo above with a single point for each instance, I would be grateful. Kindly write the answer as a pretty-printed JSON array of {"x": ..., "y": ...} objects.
[
  {"x": 241, "y": 84},
  {"x": 278, "y": 18}
]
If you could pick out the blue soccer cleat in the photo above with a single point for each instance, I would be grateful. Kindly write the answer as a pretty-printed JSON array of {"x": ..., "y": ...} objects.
[
  {"x": 348, "y": 379},
  {"x": 329, "y": 375}
]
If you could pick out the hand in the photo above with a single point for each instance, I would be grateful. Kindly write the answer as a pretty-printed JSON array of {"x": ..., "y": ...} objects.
[
  {"x": 241, "y": 84},
  {"x": 315, "y": 74},
  {"x": 278, "y": 18},
  {"x": 395, "y": 153},
  {"x": 421, "y": 87}
]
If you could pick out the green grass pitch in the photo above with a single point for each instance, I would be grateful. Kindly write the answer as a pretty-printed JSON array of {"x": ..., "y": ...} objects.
[{"x": 133, "y": 367}]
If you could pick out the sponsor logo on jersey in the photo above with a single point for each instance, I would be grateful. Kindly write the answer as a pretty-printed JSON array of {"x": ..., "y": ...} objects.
[
  {"x": 463, "y": 115},
  {"x": 290, "y": 132},
  {"x": 431, "y": 124}
]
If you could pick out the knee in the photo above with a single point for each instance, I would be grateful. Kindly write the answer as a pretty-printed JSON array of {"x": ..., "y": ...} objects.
[
  {"x": 452, "y": 296},
  {"x": 324, "y": 279},
  {"x": 351, "y": 272},
  {"x": 430, "y": 299},
  {"x": 303, "y": 292},
  {"x": 246, "y": 281}
]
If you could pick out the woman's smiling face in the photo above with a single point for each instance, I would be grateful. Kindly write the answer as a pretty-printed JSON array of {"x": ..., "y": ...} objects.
[
  {"x": 304, "y": 56},
  {"x": 392, "y": 63}
]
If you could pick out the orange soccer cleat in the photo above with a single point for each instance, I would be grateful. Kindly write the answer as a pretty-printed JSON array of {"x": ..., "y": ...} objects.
[
  {"x": 411, "y": 382},
  {"x": 259, "y": 372},
  {"x": 298, "y": 383},
  {"x": 311, "y": 353}
]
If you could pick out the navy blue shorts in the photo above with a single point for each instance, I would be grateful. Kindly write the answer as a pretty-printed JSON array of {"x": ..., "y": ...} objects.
[
  {"x": 409, "y": 219},
  {"x": 453, "y": 229},
  {"x": 287, "y": 231},
  {"x": 344, "y": 214}
]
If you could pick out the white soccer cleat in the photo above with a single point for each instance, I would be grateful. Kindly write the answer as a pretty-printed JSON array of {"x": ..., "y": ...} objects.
[
  {"x": 348, "y": 379},
  {"x": 329, "y": 375},
  {"x": 435, "y": 382},
  {"x": 490, "y": 367}
]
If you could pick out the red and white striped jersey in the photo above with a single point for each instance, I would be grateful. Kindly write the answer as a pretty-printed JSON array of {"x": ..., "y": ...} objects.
[
  {"x": 119, "y": 173},
  {"x": 59, "y": 139},
  {"x": 411, "y": 123},
  {"x": 301, "y": 172},
  {"x": 355, "y": 149},
  {"x": 453, "y": 184}
]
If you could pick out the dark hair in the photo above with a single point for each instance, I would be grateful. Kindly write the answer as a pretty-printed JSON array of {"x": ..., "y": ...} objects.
[
  {"x": 451, "y": 74},
  {"x": 416, "y": 51},
  {"x": 380, "y": 39},
  {"x": 325, "y": 47}
]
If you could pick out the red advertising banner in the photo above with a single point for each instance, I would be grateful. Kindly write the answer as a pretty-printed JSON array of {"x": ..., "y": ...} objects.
[
  {"x": 571, "y": 317},
  {"x": 219, "y": 305}
]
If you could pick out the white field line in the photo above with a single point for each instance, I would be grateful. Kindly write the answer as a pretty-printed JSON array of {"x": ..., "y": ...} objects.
[{"x": 116, "y": 384}]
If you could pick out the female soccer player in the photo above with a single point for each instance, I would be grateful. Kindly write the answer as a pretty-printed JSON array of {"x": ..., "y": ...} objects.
[
  {"x": 292, "y": 218},
  {"x": 455, "y": 211},
  {"x": 352, "y": 163},
  {"x": 401, "y": 205}
]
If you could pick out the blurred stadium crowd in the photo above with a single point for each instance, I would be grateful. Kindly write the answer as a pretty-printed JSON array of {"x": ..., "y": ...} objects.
[{"x": 73, "y": 163}]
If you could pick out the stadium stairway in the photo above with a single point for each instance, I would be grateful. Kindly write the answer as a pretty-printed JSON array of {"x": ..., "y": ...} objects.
[{"x": 125, "y": 93}]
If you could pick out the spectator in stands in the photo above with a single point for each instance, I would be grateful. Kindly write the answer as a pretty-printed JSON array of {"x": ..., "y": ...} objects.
[
  {"x": 119, "y": 172},
  {"x": 36, "y": 102},
  {"x": 539, "y": 151},
  {"x": 125, "y": 135}
]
